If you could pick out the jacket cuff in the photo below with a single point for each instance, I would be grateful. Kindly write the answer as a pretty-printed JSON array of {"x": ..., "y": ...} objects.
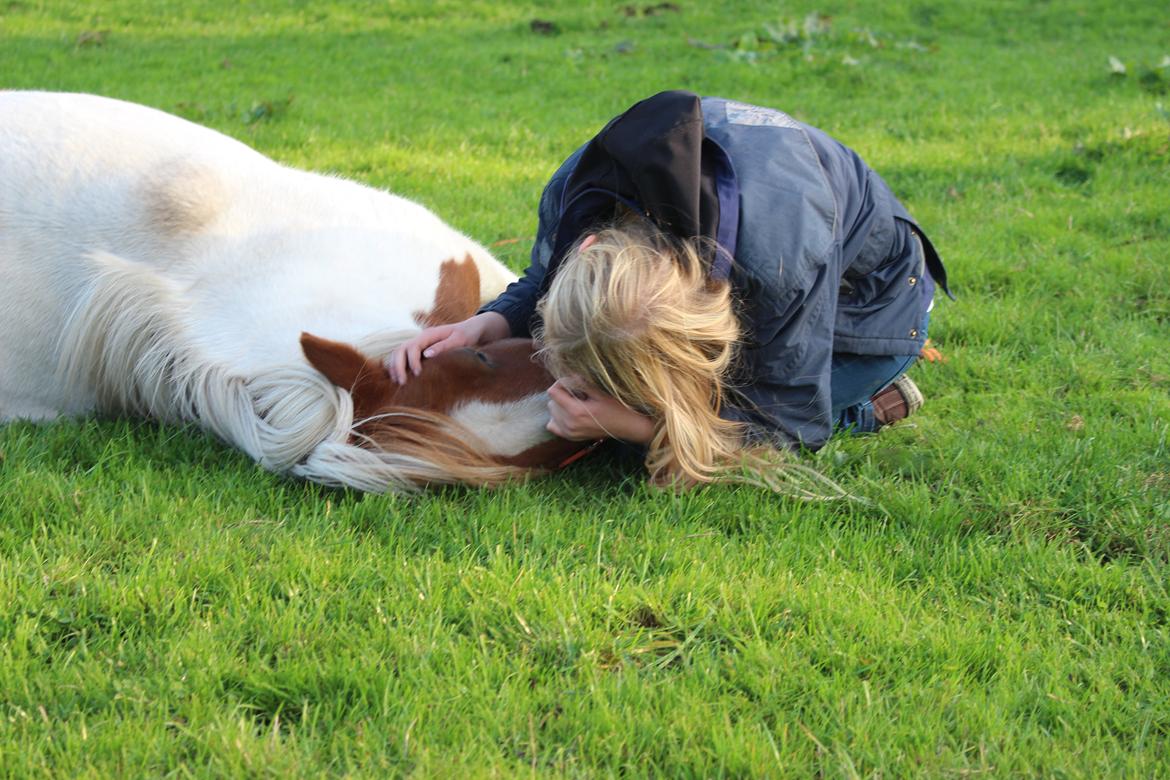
[{"x": 517, "y": 314}]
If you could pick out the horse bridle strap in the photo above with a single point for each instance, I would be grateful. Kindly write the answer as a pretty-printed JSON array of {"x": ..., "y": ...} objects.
[{"x": 581, "y": 453}]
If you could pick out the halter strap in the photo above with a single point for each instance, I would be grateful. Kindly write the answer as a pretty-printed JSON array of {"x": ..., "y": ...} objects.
[{"x": 581, "y": 453}]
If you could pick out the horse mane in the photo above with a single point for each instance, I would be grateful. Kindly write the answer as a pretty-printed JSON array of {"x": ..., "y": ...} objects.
[
  {"x": 127, "y": 341},
  {"x": 405, "y": 449}
]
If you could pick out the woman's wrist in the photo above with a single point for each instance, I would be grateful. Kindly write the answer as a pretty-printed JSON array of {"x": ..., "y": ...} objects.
[
  {"x": 634, "y": 427},
  {"x": 493, "y": 327}
]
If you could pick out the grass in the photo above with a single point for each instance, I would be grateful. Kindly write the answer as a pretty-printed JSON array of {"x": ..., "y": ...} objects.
[{"x": 999, "y": 609}]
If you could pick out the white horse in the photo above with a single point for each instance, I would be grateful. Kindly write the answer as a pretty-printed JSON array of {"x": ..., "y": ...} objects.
[{"x": 153, "y": 267}]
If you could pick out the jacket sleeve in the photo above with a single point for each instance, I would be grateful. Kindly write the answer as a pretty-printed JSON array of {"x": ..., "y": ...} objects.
[
  {"x": 783, "y": 395},
  {"x": 517, "y": 303}
]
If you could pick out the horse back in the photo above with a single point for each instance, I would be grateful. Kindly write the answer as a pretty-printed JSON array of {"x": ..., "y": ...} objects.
[{"x": 106, "y": 203}]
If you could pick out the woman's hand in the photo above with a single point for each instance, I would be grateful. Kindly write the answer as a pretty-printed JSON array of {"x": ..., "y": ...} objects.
[
  {"x": 480, "y": 329},
  {"x": 579, "y": 411}
]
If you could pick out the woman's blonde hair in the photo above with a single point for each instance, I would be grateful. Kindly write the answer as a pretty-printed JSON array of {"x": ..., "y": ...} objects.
[{"x": 634, "y": 313}]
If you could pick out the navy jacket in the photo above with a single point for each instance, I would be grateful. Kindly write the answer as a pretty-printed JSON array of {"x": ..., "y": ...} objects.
[{"x": 819, "y": 253}]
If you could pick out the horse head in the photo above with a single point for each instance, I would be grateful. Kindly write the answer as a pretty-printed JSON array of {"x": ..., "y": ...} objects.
[{"x": 487, "y": 404}]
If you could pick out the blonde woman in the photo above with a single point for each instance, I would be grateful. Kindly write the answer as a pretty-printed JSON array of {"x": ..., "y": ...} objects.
[{"x": 709, "y": 277}]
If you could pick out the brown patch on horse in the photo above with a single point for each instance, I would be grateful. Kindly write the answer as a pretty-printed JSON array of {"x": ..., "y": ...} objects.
[{"x": 457, "y": 296}]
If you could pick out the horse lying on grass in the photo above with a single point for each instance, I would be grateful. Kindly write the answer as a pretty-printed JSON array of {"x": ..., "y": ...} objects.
[{"x": 153, "y": 267}]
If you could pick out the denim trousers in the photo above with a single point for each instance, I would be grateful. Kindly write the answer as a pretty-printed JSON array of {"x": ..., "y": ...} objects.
[{"x": 854, "y": 379}]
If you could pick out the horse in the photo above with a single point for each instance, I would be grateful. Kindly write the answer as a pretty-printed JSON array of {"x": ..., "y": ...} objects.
[{"x": 153, "y": 267}]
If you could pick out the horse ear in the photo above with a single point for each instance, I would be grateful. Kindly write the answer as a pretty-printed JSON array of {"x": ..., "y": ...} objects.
[
  {"x": 340, "y": 363},
  {"x": 365, "y": 379}
]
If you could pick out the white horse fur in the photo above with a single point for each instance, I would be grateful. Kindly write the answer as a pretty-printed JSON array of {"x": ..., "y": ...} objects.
[{"x": 154, "y": 267}]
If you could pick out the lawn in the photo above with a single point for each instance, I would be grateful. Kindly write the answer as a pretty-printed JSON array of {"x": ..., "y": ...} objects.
[{"x": 997, "y": 606}]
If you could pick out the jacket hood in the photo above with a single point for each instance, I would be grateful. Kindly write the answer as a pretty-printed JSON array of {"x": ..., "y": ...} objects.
[{"x": 650, "y": 158}]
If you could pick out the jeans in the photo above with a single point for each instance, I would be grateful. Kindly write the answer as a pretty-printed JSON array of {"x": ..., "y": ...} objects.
[{"x": 854, "y": 379}]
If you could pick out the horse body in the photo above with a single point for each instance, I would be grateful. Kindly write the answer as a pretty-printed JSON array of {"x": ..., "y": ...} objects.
[{"x": 152, "y": 266}]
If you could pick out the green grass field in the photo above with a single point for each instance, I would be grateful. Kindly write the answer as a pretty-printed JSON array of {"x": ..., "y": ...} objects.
[{"x": 1000, "y": 608}]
